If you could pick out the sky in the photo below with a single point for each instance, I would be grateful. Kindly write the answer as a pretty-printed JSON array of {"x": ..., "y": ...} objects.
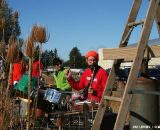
[{"x": 85, "y": 24}]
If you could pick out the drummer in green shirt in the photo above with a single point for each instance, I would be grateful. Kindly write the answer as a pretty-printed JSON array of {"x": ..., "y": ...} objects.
[{"x": 59, "y": 76}]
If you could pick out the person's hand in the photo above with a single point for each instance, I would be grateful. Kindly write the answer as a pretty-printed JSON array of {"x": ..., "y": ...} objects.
[
  {"x": 62, "y": 89},
  {"x": 68, "y": 74},
  {"x": 90, "y": 90},
  {"x": 15, "y": 82}
]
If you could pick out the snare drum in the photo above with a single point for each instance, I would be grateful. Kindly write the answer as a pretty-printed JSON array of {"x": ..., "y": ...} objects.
[
  {"x": 61, "y": 100},
  {"x": 55, "y": 96}
]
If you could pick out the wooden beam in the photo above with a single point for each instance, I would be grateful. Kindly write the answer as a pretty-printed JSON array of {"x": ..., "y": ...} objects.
[
  {"x": 118, "y": 53},
  {"x": 134, "y": 91},
  {"x": 131, "y": 18},
  {"x": 113, "y": 98},
  {"x": 157, "y": 19},
  {"x": 136, "y": 23},
  {"x": 154, "y": 51},
  {"x": 126, "y": 53},
  {"x": 102, "y": 105}
]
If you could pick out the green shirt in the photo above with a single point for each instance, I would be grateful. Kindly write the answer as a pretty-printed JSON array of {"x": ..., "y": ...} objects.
[{"x": 61, "y": 80}]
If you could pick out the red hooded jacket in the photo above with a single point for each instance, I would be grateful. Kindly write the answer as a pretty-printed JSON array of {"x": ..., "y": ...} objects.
[
  {"x": 98, "y": 84},
  {"x": 19, "y": 68},
  {"x": 35, "y": 68}
]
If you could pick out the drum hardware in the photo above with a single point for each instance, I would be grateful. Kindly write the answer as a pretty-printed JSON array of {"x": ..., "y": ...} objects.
[
  {"x": 92, "y": 108},
  {"x": 72, "y": 120},
  {"x": 36, "y": 111},
  {"x": 59, "y": 120},
  {"x": 85, "y": 112}
]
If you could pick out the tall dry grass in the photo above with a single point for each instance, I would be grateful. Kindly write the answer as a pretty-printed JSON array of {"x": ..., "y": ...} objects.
[
  {"x": 2, "y": 47},
  {"x": 7, "y": 104},
  {"x": 12, "y": 53},
  {"x": 16, "y": 14},
  {"x": 39, "y": 34},
  {"x": 30, "y": 53},
  {"x": 2, "y": 26},
  {"x": 2, "y": 2},
  {"x": 29, "y": 50},
  {"x": 2, "y": 23}
]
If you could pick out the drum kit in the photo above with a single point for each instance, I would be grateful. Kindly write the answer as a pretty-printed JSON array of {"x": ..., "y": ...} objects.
[
  {"x": 55, "y": 97},
  {"x": 55, "y": 102}
]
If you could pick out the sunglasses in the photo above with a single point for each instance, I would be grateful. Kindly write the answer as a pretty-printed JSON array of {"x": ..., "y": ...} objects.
[{"x": 91, "y": 59}]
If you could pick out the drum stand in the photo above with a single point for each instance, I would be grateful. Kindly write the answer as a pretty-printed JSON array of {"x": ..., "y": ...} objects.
[{"x": 71, "y": 120}]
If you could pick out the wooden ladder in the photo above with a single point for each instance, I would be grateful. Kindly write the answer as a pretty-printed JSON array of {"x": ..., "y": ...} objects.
[{"x": 153, "y": 13}]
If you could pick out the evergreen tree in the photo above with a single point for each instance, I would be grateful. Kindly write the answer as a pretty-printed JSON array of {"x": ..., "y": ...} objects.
[
  {"x": 74, "y": 57},
  {"x": 83, "y": 62},
  {"x": 9, "y": 23},
  {"x": 48, "y": 56},
  {"x": 76, "y": 60},
  {"x": 51, "y": 57},
  {"x": 45, "y": 58},
  {"x": 55, "y": 53}
]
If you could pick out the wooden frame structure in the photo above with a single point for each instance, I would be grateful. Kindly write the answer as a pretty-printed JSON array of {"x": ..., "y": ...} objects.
[
  {"x": 153, "y": 13},
  {"x": 128, "y": 53}
]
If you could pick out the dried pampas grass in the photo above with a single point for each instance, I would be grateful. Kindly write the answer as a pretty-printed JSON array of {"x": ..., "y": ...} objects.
[
  {"x": 20, "y": 43},
  {"x": 12, "y": 52},
  {"x": 2, "y": 23},
  {"x": 16, "y": 14},
  {"x": 2, "y": 2},
  {"x": 2, "y": 47},
  {"x": 39, "y": 34},
  {"x": 30, "y": 47},
  {"x": 11, "y": 40},
  {"x": 34, "y": 28}
]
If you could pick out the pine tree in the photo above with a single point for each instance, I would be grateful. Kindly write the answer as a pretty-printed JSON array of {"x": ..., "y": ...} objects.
[
  {"x": 76, "y": 60},
  {"x": 9, "y": 23}
]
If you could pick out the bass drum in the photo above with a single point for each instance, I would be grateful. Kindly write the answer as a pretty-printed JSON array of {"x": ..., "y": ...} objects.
[
  {"x": 47, "y": 101},
  {"x": 43, "y": 106}
]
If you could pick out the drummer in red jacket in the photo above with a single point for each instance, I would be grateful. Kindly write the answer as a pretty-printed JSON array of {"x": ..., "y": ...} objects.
[
  {"x": 95, "y": 72},
  {"x": 19, "y": 68},
  {"x": 37, "y": 67}
]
